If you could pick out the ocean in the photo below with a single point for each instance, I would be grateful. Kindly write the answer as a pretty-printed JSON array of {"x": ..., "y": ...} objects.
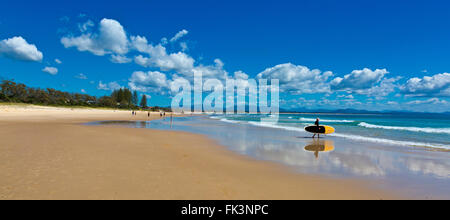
[{"x": 414, "y": 130}]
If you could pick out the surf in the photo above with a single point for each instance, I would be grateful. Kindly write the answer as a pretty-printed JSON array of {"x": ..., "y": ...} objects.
[
  {"x": 326, "y": 120},
  {"x": 412, "y": 129}
]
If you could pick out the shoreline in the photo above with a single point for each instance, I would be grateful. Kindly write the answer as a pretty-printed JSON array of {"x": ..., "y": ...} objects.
[{"x": 61, "y": 158}]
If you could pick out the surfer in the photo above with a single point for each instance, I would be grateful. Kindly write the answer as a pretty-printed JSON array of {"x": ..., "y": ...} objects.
[{"x": 317, "y": 124}]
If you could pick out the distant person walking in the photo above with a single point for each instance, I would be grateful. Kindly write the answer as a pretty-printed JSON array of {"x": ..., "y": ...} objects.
[
  {"x": 317, "y": 124},
  {"x": 148, "y": 114}
]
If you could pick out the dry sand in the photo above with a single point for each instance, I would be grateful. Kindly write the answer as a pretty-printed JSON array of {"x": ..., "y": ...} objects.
[{"x": 48, "y": 153}]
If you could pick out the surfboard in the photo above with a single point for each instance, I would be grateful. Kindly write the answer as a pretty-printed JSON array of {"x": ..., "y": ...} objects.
[{"x": 320, "y": 129}]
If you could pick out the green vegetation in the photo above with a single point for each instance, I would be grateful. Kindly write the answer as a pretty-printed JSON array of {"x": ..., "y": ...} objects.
[
  {"x": 11, "y": 92},
  {"x": 144, "y": 101}
]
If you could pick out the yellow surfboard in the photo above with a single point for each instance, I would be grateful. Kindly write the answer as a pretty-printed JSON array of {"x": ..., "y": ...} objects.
[{"x": 320, "y": 129}]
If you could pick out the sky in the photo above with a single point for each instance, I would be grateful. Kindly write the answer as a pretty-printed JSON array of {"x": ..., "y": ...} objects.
[{"x": 372, "y": 55}]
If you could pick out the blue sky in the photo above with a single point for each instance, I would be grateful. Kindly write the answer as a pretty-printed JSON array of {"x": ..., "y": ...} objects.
[{"x": 375, "y": 55}]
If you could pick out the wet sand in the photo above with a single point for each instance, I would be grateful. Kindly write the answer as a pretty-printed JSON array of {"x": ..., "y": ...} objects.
[{"x": 49, "y": 153}]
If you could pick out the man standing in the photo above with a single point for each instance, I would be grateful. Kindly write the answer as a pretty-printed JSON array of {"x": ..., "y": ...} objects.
[{"x": 317, "y": 124}]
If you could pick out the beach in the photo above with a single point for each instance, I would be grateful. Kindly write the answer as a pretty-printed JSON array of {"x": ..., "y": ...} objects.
[{"x": 50, "y": 153}]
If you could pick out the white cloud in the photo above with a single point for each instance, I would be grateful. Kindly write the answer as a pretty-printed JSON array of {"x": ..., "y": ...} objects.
[
  {"x": 86, "y": 26},
  {"x": 58, "y": 61},
  {"x": 111, "y": 38},
  {"x": 164, "y": 41},
  {"x": 83, "y": 90},
  {"x": 152, "y": 81},
  {"x": 179, "y": 35},
  {"x": 50, "y": 70},
  {"x": 81, "y": 76},
  {"x": 427, "y": 101},
  {"x": 381, "y": 90},
  {"x": 159, "y": 56},
  {"x": 166, "y": 62},
  {"x": 108, "y": 86},
  {"x": 392, "y": 103},
  {"x": 120, "y": 59},
  {"x": 215, "y": 71},
  {"x": 298, "y": 79},
  {"x": 184, "y": 46},
  {"x": 358, "y": 79},
  {"x": 18, "y": 48},
  {"x": 437, "y": 85},
  {"x": 240, "y": 75}
]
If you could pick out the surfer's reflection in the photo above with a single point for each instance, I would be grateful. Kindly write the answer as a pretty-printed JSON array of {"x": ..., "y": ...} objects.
[{"x": 317, "y": 146}]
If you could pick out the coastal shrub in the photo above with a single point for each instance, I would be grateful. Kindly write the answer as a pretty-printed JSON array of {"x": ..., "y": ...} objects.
[{"x": 20, "y": 93}]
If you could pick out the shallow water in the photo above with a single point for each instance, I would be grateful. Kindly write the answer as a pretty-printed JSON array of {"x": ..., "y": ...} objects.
[{"x": 413, "y": 171}]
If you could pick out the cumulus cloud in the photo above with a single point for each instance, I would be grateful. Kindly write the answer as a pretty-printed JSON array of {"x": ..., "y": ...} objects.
[
  {"x": 120, "y": 59},
  {"x": 152, "y": 81},
  {"x": 215, "y": 71},
  {"x": 50, "y": 70},
  {"x": 381, "y": 90},
  {"x": 108, "y": 86},
  {"x": 166, "y": 62},
  {"x": 298, "y": 79},
  {"x": 159, "y": 56},
  {"x": 240, "y": 75},
  {"x": 437, "y": 85},
  {"x": 58, "y": 61},
  {"x": 358, "y": 79},
  {"x": 179, "y": 35},
  {"x": 19, "y": 49},
  {"x": 111, "y": 38}
]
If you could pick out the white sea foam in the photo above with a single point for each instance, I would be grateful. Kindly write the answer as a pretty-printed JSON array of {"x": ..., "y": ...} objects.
[
  {"x": 273, "y": 125},
  {"x": 327, "y": 120},
  {"x": 229, "y": 121},
  {"x": 413, "y": 129}
]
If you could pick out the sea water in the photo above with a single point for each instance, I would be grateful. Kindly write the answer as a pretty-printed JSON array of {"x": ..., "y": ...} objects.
[{"x": 414, "y": 130}]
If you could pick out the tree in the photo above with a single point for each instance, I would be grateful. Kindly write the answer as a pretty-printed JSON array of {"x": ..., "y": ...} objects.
[
  {"x": 15, "y": 92},
  {"x": 144, "y": 101},
  {"x": 107, "y": 101},
  {"x": 135, "y": 100}
]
